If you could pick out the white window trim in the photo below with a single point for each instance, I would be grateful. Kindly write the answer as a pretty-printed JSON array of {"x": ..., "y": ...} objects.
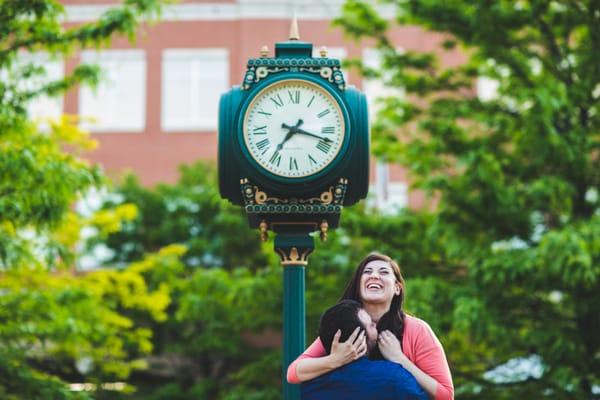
[
  {"x": 387, "y": 192},
  {"x": 185, "y": 54},
  {"x": 95, "y": 57},
  {"x": 370, "y": 54},
  {"x": 40, "y": 59}
]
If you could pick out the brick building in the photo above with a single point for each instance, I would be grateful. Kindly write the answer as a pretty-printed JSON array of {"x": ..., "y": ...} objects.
[{"x": 157, "y": 106}]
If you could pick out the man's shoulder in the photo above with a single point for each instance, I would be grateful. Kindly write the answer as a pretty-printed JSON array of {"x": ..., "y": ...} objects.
[
  {"x": 364, "y": 379},
  {"x": 362, "y": 368},
  {"x": 372, "y": 370},
  {"x": 393, "y": 369}
]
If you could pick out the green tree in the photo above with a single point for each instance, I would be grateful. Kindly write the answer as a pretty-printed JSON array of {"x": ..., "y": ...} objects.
[
  {"x": 517, "y": 180},
  {"x": 191, "y": 212},
  {"x": 207, "y": 348},
  {"x": 49, "y": 319},
  {"x": 40, "y": 181}
]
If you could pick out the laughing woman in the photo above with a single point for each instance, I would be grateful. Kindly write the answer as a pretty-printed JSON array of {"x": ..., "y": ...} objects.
[{"x": 404, "y": 339}]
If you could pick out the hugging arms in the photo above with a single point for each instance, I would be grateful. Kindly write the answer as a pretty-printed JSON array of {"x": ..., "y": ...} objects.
[{"x": 378, "y": 286}]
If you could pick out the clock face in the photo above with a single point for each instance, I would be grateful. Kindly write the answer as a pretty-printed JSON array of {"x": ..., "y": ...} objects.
[{"x": 293, "y": 128}]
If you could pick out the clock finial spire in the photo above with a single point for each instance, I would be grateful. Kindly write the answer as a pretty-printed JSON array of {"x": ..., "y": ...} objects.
[{"x": 294, "y": 34}]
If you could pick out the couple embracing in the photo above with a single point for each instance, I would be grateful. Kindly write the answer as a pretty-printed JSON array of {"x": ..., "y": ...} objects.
[{"x": 369, "y": 348}]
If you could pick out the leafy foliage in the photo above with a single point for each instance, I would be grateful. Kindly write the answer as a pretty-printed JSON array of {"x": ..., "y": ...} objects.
[
  {"x": 192, "y": 213},
  {"x": 516, "y": 176},
  {"x": 89, "y": 327},
  {"x": 39, "y": 179},
  {"x": 51, "y": 320}
]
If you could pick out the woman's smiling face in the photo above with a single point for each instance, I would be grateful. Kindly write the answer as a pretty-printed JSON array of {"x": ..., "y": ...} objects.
[{"x": 378, "y": 283}]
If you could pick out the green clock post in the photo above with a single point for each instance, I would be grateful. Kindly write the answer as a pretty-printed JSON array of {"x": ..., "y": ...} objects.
[{"x": 293, "y": 151}]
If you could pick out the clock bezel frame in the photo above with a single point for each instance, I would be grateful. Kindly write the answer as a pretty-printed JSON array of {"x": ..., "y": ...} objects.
[{"x": 275, "y": 80}]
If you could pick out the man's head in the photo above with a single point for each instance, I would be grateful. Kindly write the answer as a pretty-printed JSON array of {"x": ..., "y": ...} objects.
[{"x": 346, "y": 316}]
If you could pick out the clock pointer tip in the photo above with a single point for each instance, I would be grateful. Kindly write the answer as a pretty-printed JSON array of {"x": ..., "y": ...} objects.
[{"x": 294, "y": 33}]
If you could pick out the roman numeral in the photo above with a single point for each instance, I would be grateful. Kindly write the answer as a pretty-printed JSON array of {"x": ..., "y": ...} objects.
[
  {"x": 275, "y": 158},
  {"x": 323, "y": 146},
  {"x": 310, "y": 102},
  {"x": 277, "y": 100},
  {"x": 323, "y": 113},
  {"x": 260, "y": 130},
  {"x": 263, "y": 144},
  {"x": 294, "y": 97},
  {"x": 293, "y": 164},
  {"x": 328, "y": 130},
  {"x": 312, "y": 160},
  {"x": 266, "y": 114}
]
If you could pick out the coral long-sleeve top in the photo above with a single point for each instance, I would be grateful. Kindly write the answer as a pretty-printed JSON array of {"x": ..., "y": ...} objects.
[{"x": 419, "y": 344}]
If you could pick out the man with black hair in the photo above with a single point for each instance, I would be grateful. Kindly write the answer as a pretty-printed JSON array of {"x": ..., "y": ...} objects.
[{"x": 362, "y": 379}]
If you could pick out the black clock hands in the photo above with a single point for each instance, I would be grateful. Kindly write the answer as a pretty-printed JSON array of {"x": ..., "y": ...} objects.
[
  {"x": 313, "y": 135},
  {"x": 291, "y": 132},
  {"x": 295, "y": 129}
]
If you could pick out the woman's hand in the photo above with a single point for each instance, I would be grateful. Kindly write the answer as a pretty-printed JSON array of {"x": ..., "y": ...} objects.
[
  {"x": 344, "y": 352},
  {"x": 390, "y": 348}
]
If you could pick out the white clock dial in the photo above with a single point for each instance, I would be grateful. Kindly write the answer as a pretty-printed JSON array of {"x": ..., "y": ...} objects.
[{"x": 294, "y": 128}]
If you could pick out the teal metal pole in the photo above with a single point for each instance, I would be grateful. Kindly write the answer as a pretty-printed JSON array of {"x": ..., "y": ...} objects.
[
  {"x": 294, "y": 330},
  {"x": 293, "y": 244}
]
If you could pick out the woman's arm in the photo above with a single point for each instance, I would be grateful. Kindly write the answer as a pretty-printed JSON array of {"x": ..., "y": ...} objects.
[
  {"x": 430, "y": 368},
  {"x": 389, "y": 345},
  {"x": 314, "y": 362}
]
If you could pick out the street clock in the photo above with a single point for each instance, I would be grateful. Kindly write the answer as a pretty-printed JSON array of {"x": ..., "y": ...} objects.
[
  {"x": 293, "y": 151},
  {"x": 293, "y": 139}
]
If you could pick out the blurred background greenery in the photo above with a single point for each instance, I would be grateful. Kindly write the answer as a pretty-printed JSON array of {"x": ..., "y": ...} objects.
[{"x": 504, "y": 261}]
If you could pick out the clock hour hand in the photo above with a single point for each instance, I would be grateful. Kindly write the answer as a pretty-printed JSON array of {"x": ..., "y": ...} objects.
[
  {"x": 287, "y": 137},
  {"x": 292, "y": 128},
  {"x": 291, "y": 132}
]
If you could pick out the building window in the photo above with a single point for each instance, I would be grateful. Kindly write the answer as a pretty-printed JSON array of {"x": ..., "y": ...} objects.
[
  {"x": 192, "y": 84},
  {"x": 42, "y": 107},
  {"x": 397, "y": 196},
  {"x": 382, "y": 177},
  {"x": 390, "y": 196},
  {"x": 376, "y": 88},
  {"x": 118, "y": 104}
]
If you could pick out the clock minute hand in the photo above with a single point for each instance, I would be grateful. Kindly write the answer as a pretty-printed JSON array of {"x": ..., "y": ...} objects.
[{"x": 302, "y": 131}]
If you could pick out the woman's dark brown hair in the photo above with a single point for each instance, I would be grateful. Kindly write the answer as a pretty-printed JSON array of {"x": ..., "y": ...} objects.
[{"x": 393, "y": 319}]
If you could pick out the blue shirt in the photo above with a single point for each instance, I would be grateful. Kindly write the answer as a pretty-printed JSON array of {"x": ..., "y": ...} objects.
[{"x": 364, "y": 379}]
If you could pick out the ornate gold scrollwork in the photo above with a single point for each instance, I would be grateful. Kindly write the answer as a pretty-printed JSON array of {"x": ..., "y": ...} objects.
[
  {"x": 260, "y": 197},
  {"x": 257, "y": 196},
  {"x": 326, "y": 73},
  {"x": 314, "y": 70},
  {"x": 261, "y": 72},
  {"x": 327, "y": 196},
  {"x": 294, "y": 257}
]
